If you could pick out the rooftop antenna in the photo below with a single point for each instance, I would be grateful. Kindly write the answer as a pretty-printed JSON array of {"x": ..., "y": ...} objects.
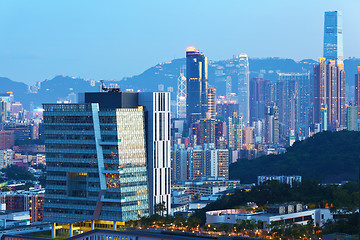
[{"x": 109, "y": 89}]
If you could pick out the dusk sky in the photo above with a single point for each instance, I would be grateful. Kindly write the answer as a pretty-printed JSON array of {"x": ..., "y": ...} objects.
[{"x": 114, "y": 39}]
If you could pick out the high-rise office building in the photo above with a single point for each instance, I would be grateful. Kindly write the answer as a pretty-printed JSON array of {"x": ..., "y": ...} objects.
[
  {"x": 329, "y": 92},
  {"x": 181, "y": 97},
  {"x": 357, "y": 89},
  {"x": 108, "y": 157},
  {"x": 196, "y": 85},
  {"x": 228, "y": 88},
  {"x": 158, "y": 147},
  {"x": 333, "y": 36},
  {"x": 243, "y": 91},
  {"x": 257, "y": 99}
]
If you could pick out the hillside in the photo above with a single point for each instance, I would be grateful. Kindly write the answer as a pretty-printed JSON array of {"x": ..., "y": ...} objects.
[
  {"x": 19, "y": 89},
  {"x": 328, "y": 157},
  {"x": 165, "y": 74}
]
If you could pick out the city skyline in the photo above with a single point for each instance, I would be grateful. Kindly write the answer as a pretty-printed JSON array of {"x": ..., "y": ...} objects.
[
  {"x": 217, "y": 141},
  {"x": 100, "y": 41}
]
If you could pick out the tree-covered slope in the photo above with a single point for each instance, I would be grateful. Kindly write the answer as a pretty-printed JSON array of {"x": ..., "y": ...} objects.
[{"x": 327, "y": 156}]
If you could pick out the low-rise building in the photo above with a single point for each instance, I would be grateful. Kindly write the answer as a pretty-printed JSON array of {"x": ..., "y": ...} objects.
[
  {"x": 14, "y": 219},
  {"x": 176, "y": 208},
  {"x": 29, "y": 201},
  {"x": 282, "y": 179},
  {"x": 287, "y": 213}
]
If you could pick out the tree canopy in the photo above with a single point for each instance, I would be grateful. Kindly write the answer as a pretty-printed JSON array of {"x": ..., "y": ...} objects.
[
  {"x": 328, "y": 157},
  {"x": 14, "y": 172},
  {"x": 308, "y": 192}
]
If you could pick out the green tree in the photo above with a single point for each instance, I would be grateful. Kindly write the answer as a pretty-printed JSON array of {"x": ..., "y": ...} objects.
[
  {"x": 14, "y": 172},
  {"x": 160, "y": 208}
]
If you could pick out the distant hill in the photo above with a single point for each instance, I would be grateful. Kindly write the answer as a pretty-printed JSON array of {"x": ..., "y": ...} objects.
[
  {"x": 164, "y": 76},
  {"x": 328, "y": 157},
  {"x": 19, "y": 89},
  {"x": 59, "y": 87}
]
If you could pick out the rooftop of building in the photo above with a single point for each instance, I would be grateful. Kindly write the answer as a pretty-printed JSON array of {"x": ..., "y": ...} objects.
[
  {"x": 178, "y": 205},
  {"x": 246, "y": 212},
  {"x": 152, "y": 235}
]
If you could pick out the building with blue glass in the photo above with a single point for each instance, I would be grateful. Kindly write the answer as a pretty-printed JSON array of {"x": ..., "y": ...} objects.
[
  {"x": 196, "y": 85},
  {"x": 333, "y": 36}
]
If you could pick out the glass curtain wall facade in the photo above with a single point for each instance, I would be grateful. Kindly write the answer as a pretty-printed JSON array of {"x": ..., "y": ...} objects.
[
  {"x": 96, "y": 163},
  {"x": 196, "y": 85},
  {"x": 333, "y": 36},
  {"x": 242, "y": 64}
]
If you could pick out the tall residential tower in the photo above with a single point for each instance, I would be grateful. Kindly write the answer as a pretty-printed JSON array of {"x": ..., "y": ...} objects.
[{"x": 329, "y": 93}]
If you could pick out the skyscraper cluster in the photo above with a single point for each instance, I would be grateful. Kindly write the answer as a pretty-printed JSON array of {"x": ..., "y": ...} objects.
[
  {"x": 114, "y": 155},
  {"x": 261, "y": 116}
]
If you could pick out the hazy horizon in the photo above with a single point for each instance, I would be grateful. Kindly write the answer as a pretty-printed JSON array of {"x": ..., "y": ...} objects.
[{"x": 113, "y": 39}]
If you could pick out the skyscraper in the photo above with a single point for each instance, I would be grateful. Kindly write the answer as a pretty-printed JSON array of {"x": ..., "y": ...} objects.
[
  {"x": 179, "y": 162},
  {"x": 257, "y": 99},
  {"x": 234, "y": 132},
  {"x": 262, "y": 94},
  {"x": 196, "y": 85},
  {"x": 357, "y": 89},
  {"x": 226, "y": 108},
  {"x": 329, "y": 92},
  {"x": 181, "y": 97},
  {"x": 108, "y": 157},
  {"x": 158, "y": 146},
  {"x": 243, "y": 91},
  {"x": 293, "y": 100},
  {"x": 352, "y": 118},
  {"x": 333, "y": 36},
  {"x": 206, "y": 132},
  {"x": 218, "y": 161},
  {"x": 211, "y": 102},
  {"x": 272, "y": 125}
]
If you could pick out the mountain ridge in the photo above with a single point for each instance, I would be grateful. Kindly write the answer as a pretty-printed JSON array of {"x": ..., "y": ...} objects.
[{"x": 162, "y": 77}]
